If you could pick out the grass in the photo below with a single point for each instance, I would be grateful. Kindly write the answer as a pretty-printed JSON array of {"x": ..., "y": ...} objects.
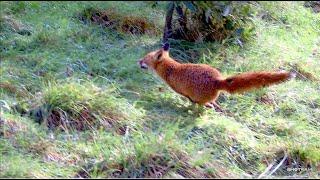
[{"x": 58, "y": 74}]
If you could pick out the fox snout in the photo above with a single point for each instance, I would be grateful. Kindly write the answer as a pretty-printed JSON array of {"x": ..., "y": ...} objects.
[{"x": 142, "y": 64}]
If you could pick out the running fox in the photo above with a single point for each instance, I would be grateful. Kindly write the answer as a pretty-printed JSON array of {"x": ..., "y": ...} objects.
[{"x": 201, "y": 83}]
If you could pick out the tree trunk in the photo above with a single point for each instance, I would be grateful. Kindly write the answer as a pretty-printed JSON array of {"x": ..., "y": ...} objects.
[
  {"x": 182, "y": 17},
  {"x": 168, "y": 24}
]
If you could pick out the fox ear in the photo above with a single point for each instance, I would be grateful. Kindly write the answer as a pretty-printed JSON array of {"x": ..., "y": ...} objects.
[{"x": 166, "y": 46}]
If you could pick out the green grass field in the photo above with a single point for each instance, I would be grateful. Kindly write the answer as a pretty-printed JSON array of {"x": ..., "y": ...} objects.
[{"x": 74, "y": 102}]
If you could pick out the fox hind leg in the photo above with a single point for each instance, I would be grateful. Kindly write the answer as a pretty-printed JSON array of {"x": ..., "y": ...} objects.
[
  {"x": 217, "y": 107},
  {"x": 214, "y": 105},
  {"x": 209, "y": 105}
]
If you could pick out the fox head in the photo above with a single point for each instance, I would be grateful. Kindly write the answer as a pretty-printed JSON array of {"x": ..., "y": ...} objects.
[{"x": 154, "y": 57}]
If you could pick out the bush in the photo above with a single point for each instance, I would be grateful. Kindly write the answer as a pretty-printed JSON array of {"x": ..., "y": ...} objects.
[
  {"x": 86, "y": 106},
  {"x": 211, "y": 21}
]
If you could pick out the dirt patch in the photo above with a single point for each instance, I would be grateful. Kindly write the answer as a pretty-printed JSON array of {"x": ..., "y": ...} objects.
[
  {"x": 9, "y": 128},
  {"x": 11, "y": 89},
  {"x": 62, "y": 120},
  {"x": 113, "y": 20},
  {"x": 80, "y": 121}
]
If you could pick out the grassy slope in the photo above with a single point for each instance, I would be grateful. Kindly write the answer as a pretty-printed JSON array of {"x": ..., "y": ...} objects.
[{"x": 165, "y": 125}]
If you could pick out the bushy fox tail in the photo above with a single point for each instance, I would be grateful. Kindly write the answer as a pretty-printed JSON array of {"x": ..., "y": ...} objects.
[{"x": 251, "y": 80}]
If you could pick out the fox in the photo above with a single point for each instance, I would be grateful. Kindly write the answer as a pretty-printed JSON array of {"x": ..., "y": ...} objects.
[{"x": 201, "y": 83}]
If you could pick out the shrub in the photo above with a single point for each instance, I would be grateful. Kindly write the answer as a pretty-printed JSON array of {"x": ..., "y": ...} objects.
[
  {"x": 86, "y": 106},
  {"x": 210, "y": 21}
]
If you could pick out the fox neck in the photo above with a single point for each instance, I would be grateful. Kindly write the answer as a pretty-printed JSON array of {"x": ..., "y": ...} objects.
[{"x": 165, "y": 67}]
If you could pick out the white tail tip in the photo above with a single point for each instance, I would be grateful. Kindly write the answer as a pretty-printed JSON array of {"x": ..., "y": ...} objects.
[{"x": 292, "y": 75}]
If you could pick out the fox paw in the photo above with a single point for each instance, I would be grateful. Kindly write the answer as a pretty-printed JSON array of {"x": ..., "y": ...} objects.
[{"x": 214, "y": 106}]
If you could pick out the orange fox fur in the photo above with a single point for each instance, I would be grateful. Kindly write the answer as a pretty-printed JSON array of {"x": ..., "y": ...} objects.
[{"x": 200, "y": 82}]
